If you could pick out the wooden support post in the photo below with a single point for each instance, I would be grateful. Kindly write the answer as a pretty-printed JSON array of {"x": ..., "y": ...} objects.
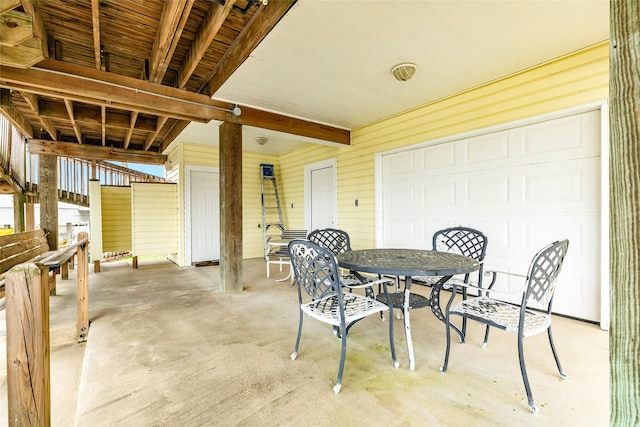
[
  {"x": 18, "y": 212},
  {"x": 134, "y": 262},
  {"x": 83, "y": 289},
  {"x": 230, "y": 207},
  {"x": 28, "y": 364},
  {"x": 52, "y": 283},
  {"x": 29, "y": 217},
  {"x": 64, "y": 270},
  {"x": 48, "y": 195},
  {"x": 96, "y": 266}
]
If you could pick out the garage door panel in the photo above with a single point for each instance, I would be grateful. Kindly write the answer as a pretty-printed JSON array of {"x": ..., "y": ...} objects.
[
  {"x": 561, "y": 185},
  {"x": 486, "y": 190},
  {"x": 493, "y": 147},
  {"x": 438, "y": 193},
  {"x": 524, "y": 187},
  {"x": 401, "y": 165},
  {"x": 437, "y": 158}
]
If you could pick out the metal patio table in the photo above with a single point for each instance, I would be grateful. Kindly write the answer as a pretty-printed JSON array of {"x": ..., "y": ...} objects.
[{"x": 408, "y": 263}]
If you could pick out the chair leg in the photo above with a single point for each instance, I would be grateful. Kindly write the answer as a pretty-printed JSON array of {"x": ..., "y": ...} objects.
[
  {"x": 525, "y": 378},
  {"x": 295, "y": 351},
  {"x": 336, "y": 388},
  {"x": 486, "y": 337},
  {"x": 447, "y": 325},
  {"x": 555, "y": 355},
  {"x": 391, "y": 341}
]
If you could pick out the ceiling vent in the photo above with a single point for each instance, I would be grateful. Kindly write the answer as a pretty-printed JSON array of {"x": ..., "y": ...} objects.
[{"x": 403, "y": 72}]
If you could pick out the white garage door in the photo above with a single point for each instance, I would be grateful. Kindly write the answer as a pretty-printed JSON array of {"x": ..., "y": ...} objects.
[{"x": 523, "y": 187}]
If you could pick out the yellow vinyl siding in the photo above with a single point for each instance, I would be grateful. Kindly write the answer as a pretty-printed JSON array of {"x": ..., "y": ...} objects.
[
  {"x": 154, "y": 218},
  {"x": 184, "y": 155},
  {"x": 574, "y": 80},
  {"x": 116, "y": 219}
]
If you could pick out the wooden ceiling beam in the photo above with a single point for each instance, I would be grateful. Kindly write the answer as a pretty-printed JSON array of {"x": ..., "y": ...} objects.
[
  {"x": 13, "y": 115},
  {"x": 76, "y": 129},
  {"x": 39, "y": 30},
  {"x": 213, "y": 22},
  {"x": 262, "y": 21},
  {"x": 159, "y": 101},
  {"x": 172, "y": 21},
  {"x": 95, "y": 19},
  {"x": 33, "y": 102},
  {"x": 91, "y": 86},
  {"x": 94, "y": 152}
]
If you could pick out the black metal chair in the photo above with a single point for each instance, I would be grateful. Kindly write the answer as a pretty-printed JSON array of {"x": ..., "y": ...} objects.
[
  {"x": 464, "y": 241},
  {"x": 338, "y": 242},
  {"x": 531, "y": 317},
  {"x": 316, "y": 272}
]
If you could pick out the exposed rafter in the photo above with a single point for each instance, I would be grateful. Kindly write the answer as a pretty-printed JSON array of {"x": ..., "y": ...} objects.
[
  {"x": 212, "y": 24},
  {"x": 76, "y": 129},
  {"x": 34, "y": 104},
  {"x": 172, "y": 22},
  {"x": 93, "y": 152},
  {"x": 95, "y": 18}
]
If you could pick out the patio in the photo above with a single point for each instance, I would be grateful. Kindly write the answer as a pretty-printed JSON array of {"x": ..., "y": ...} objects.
[{"x": 166, "y": 348}]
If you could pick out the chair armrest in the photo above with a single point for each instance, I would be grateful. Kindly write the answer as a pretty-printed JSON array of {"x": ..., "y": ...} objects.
[
  {"x": 385, "y": 282},
  {"x": 495, "y": 273}
]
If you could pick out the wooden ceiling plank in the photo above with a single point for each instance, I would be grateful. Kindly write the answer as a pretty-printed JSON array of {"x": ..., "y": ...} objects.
[
  {"x": 33, "y": 101},
  {"x": 151, "y": 137},
  {"x": 39, "y": 30},
  {"x": 13, "y": 115},
  {"x": 174, "y": 17},
  {"x": 94, "y": 152},
  {"x": 263, "y": 21},
  {"x": 95, "y": 19},
  {"x": 76, "y": 129},
  {"x": 173, "y": 133},
  {"x": 213, "y": 22}
]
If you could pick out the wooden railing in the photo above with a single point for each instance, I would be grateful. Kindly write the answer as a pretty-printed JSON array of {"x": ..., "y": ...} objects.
[
  {"x": 12, "y": 153},
  {"x": 74, "y": 175}
]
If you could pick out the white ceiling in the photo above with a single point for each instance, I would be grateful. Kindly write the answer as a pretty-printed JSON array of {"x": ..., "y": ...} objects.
[{"x": 330, "y": 61}]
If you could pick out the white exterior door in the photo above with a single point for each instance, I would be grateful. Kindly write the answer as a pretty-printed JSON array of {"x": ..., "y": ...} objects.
[
  {"x": 320, "y": 194},
  {"x": 205, "y": 216},
  {"x": 524, "y": 187}
]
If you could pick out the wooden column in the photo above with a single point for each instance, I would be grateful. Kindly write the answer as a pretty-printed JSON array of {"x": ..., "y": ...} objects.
[
  {"x": 28, "y": 364},
  {"x": 624, "y": 205},
  {"x": 30, "y": 222},
  {"x": 230, "y": 208},
  {"x": 18, "y": 212},
  {"x": 82, "y": 279},
  {"x": 48, "y": 195}
]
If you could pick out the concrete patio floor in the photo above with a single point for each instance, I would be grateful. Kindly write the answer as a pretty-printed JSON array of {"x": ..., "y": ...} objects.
[{"x": 166, "y": 348}]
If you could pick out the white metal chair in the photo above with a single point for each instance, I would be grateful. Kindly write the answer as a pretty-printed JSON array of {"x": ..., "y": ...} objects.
[
  {"x": 316, "y": 272},
  {"x": 531, "y": 317}
]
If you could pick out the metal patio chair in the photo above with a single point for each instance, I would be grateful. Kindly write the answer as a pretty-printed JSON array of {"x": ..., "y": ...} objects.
[
  {"x": 338, "y": 242},
  {"x": 316, "y": 272},
  {"x": 531, "y": 317},
  {"x": 464, "y": 241}
]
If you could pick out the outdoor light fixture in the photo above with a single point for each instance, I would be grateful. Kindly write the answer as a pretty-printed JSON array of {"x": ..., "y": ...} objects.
[
  {"x": 403, "y": 72},
  {"x": 262, "y": 140}
]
